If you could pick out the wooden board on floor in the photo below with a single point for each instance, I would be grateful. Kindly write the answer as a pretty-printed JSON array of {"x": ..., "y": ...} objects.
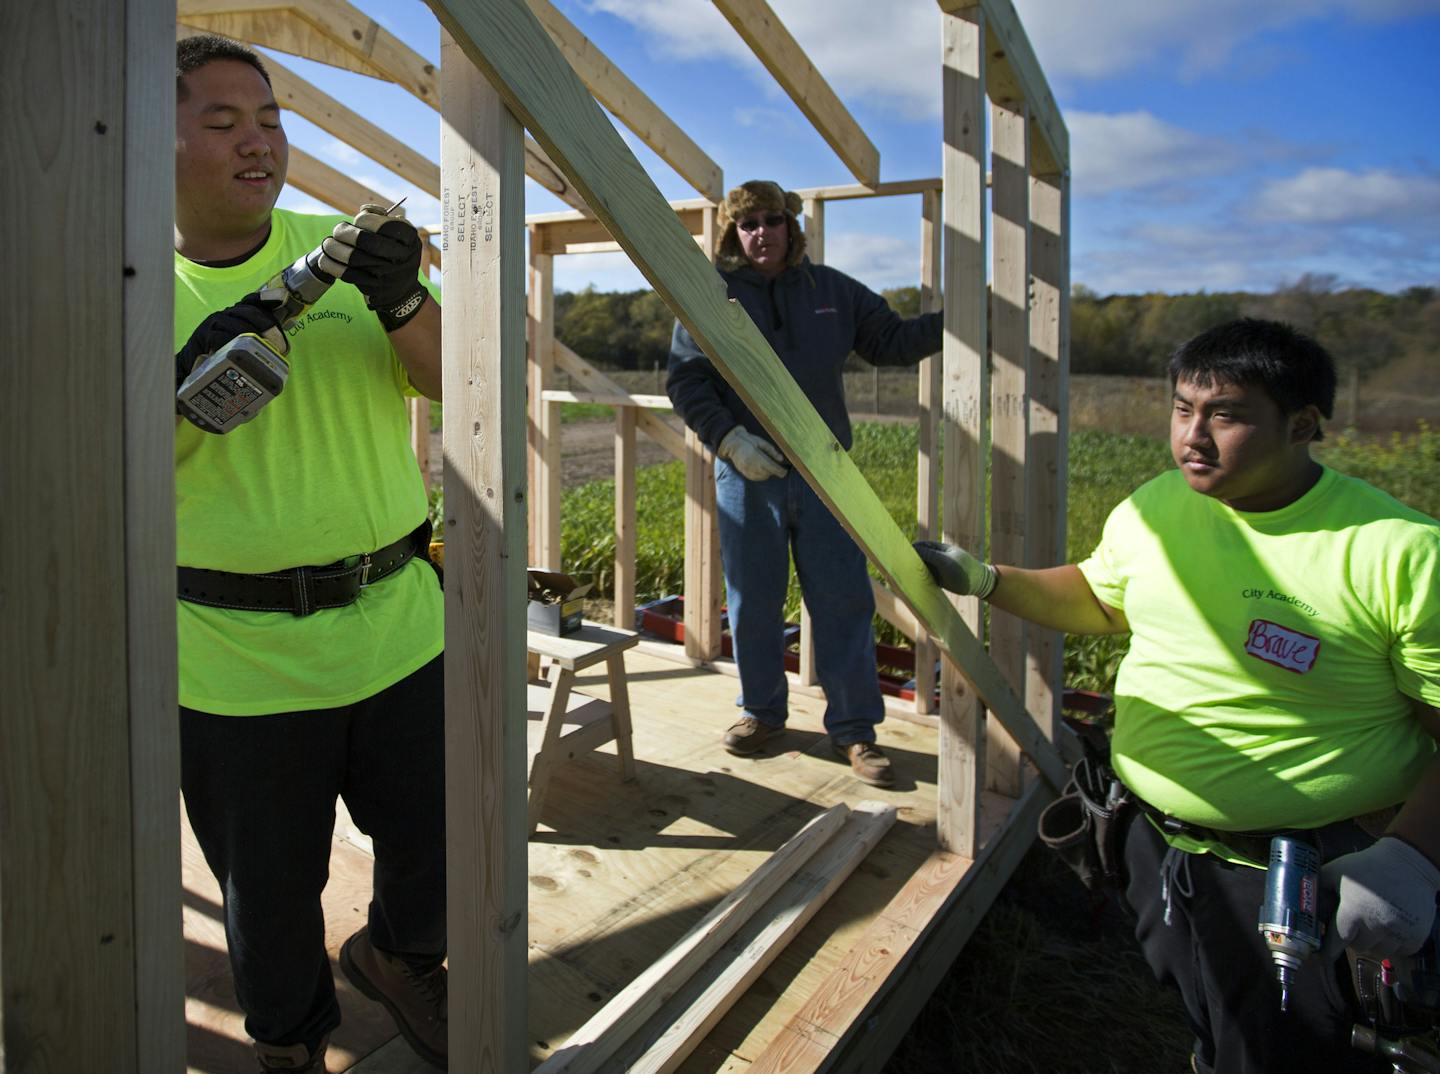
[{"x": 619, "y": 871}]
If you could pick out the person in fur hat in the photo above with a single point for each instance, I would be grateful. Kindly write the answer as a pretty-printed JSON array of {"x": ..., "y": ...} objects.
[{"x": 813, "y": 316}]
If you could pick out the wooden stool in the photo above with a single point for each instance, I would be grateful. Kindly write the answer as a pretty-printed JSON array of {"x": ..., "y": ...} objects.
[{"x": 562, "y": 722}]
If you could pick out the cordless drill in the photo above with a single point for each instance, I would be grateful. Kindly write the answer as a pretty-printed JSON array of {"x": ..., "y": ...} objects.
[
  {"x": 228, "y": 387},
  {"x": 1289, "y": 917}
]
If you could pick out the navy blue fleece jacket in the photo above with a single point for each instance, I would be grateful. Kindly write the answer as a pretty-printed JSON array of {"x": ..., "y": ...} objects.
[{"x": 813, "y": 316}]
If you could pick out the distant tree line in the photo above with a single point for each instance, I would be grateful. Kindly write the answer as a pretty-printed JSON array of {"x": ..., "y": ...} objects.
[{"x": 1115, "y": 334}]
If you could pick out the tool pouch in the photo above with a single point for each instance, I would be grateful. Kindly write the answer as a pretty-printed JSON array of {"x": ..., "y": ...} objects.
[{"x": 1086, "y": 824}]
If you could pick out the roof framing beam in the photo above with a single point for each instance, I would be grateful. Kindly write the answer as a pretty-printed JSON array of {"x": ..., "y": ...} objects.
[
  {"x": 630, "y": 104},
  {"x": 336, "y": 33},
  {"x": 1012, "y": 73},
  {"x": 775, "y": 47}
]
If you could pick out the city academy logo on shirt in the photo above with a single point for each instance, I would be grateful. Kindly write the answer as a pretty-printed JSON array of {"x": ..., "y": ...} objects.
[
  {"x": 1281, "y": 646},
  {"x": 825, "y": 309}
]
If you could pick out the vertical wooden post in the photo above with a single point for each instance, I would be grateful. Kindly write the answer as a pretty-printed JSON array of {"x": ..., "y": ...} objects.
[
  {"x": 1046, "y": 455},
  {"x": 702, "y": 539},
  {"x": 482, "y": 197},
  {"x": 927, "y": 468},
  {"x": 91, "y": 956},
  {"x": 543, "y": 428},
  {"x": 815, "y": 250},
  {"x": 420, "y": 407},
  {"x": 1010, "y": 360},
  {"x": 625, "y": 517},
  {"x": 966, "y": 392}
]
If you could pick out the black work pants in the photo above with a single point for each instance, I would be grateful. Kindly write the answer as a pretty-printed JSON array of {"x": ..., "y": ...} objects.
[
  {"x": 1213, "y": 953},
  {"x": 260, "y": 792}
]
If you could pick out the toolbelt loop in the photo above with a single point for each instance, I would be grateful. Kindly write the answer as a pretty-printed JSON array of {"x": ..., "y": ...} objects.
[{"x": 1086, "y": 824}]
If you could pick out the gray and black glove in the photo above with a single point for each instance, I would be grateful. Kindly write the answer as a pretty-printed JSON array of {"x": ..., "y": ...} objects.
[
  {"x": 250, "y": 314},
  {"x": 755, "y": 457},
  {"x": 1387, "y": 898},
  {"x": 380, "y": 256},
  {"x": 957, "y": 570}
]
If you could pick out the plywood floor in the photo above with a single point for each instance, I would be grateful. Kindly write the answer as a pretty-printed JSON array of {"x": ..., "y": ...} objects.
[{"x": 619, "y": 871}]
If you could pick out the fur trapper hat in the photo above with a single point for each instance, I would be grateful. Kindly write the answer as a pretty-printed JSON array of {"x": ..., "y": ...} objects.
[{"x": 757, "y": 195}]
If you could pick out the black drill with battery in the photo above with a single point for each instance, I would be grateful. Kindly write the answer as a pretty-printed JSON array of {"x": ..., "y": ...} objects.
[{"x": 228, "y": 387}]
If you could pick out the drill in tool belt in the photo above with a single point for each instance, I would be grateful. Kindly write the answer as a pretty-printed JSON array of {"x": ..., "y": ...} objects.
[
  {"x": 228, "y": 387},
  {"x": 1399, "y": 998}
]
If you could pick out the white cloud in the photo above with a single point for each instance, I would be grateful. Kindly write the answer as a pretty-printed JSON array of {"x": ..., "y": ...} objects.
[
  {"x": 1086, "y": 40},
  {"x": 603, "y": 272},
  {"x": 1132, "y": 150},
  {"x": 885, "y": 54},
  {"x": 1337, "y": 196},
  {"x": 877, "y": 261}
]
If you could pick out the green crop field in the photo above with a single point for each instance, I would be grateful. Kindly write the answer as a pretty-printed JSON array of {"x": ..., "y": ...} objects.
[{"x": 1103, "y": 470}]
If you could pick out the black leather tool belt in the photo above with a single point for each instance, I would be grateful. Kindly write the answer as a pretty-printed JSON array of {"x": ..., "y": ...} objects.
[{"x": 302, "y": 590}]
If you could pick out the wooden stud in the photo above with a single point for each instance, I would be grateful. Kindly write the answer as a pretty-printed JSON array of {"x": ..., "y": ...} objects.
[
  {"x": 91, "y": 955},
  {"x": 545, "y": 433},
  {"x": 927, "y": 465},
  {"x": 630, "y": 104},
  {"x": 966, "y": 394},
  {"x": 593, "y": 1044},
  {"x": 485, "y": 691},
  {"x": 854, "y": 1020},
  {"x": 505, "y": 41},
  {"x": 1009, "y": 406},
  {"x": 695, "y": 1009},
  {"x": 625, "y": 517},
  {"x": 702, "y": 553},
  {"x": 814, "y": 212},
  {"x": 873, "y": 190},
  {"x": 1049, "y": 429},
  {"x": 760, "y": 28},
  {"x": 1014, "y": 74}
]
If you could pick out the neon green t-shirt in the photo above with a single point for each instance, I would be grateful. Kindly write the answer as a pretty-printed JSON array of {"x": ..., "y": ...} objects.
[
  {"x": 325, "y": 471},
  {"x": 1274, "y": 653}
]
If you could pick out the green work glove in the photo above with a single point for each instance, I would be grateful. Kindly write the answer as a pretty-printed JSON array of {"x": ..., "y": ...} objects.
[
  {"x": 755, "y": 457},
  {"x": 1387, "y": 898},
  {"x": 957, "y": 570}
]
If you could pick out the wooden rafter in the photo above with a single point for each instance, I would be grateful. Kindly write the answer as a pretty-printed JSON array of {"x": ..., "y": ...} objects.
[
  {"x": 505, "y": 41},
  {"x": 776, "y": 48},
  {"x": 630, "y": 104}
]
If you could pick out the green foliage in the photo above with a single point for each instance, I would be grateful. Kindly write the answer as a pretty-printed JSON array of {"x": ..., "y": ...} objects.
[
  {"x": 1362, "y": 329},
  {"x": 1104, "y": 469},
  {"x": 618, "y": 330},
  {"x": 1406, "y": 465}
]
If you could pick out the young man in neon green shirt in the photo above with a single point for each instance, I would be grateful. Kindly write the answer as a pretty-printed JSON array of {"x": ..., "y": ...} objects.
[
  {"x": 310, "y": 624},
  {"x": 1283, "y": 675}
]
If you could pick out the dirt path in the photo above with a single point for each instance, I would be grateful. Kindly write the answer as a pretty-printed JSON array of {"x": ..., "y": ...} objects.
[{"x": 587, "y": 451}]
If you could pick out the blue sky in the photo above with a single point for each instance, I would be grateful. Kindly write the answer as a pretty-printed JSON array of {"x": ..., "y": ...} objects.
[{"x": 1215, "y": 144}]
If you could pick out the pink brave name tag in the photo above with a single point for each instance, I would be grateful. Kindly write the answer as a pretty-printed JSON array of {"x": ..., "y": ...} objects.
[{"x": 1282, "y": 646}]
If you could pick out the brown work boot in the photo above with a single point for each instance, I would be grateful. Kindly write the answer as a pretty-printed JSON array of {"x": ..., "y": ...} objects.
[
  {"x": 417, "y": 1001},
  {"x": 868, "y": 763},
  {"x": 295, "y": 1058},
  {"x": 749, "y": 735}
]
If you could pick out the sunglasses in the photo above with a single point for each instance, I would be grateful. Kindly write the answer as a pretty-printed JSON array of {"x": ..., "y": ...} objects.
[{"x": 752, "y": 223}]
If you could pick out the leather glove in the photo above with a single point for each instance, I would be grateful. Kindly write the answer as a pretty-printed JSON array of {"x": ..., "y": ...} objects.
[
  {"x": 1387, "y": 899},
  {"x": 755, "y": 457},
  {"x": 957, "y": 570},
  {"x": 380, "y": 256},
  {"x": 250, "y": 314}
]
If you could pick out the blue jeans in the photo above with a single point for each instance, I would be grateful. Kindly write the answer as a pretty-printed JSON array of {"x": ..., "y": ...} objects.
[
  {"x": 260, "y": 792},
  {"x": 761, "y": 524}
]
